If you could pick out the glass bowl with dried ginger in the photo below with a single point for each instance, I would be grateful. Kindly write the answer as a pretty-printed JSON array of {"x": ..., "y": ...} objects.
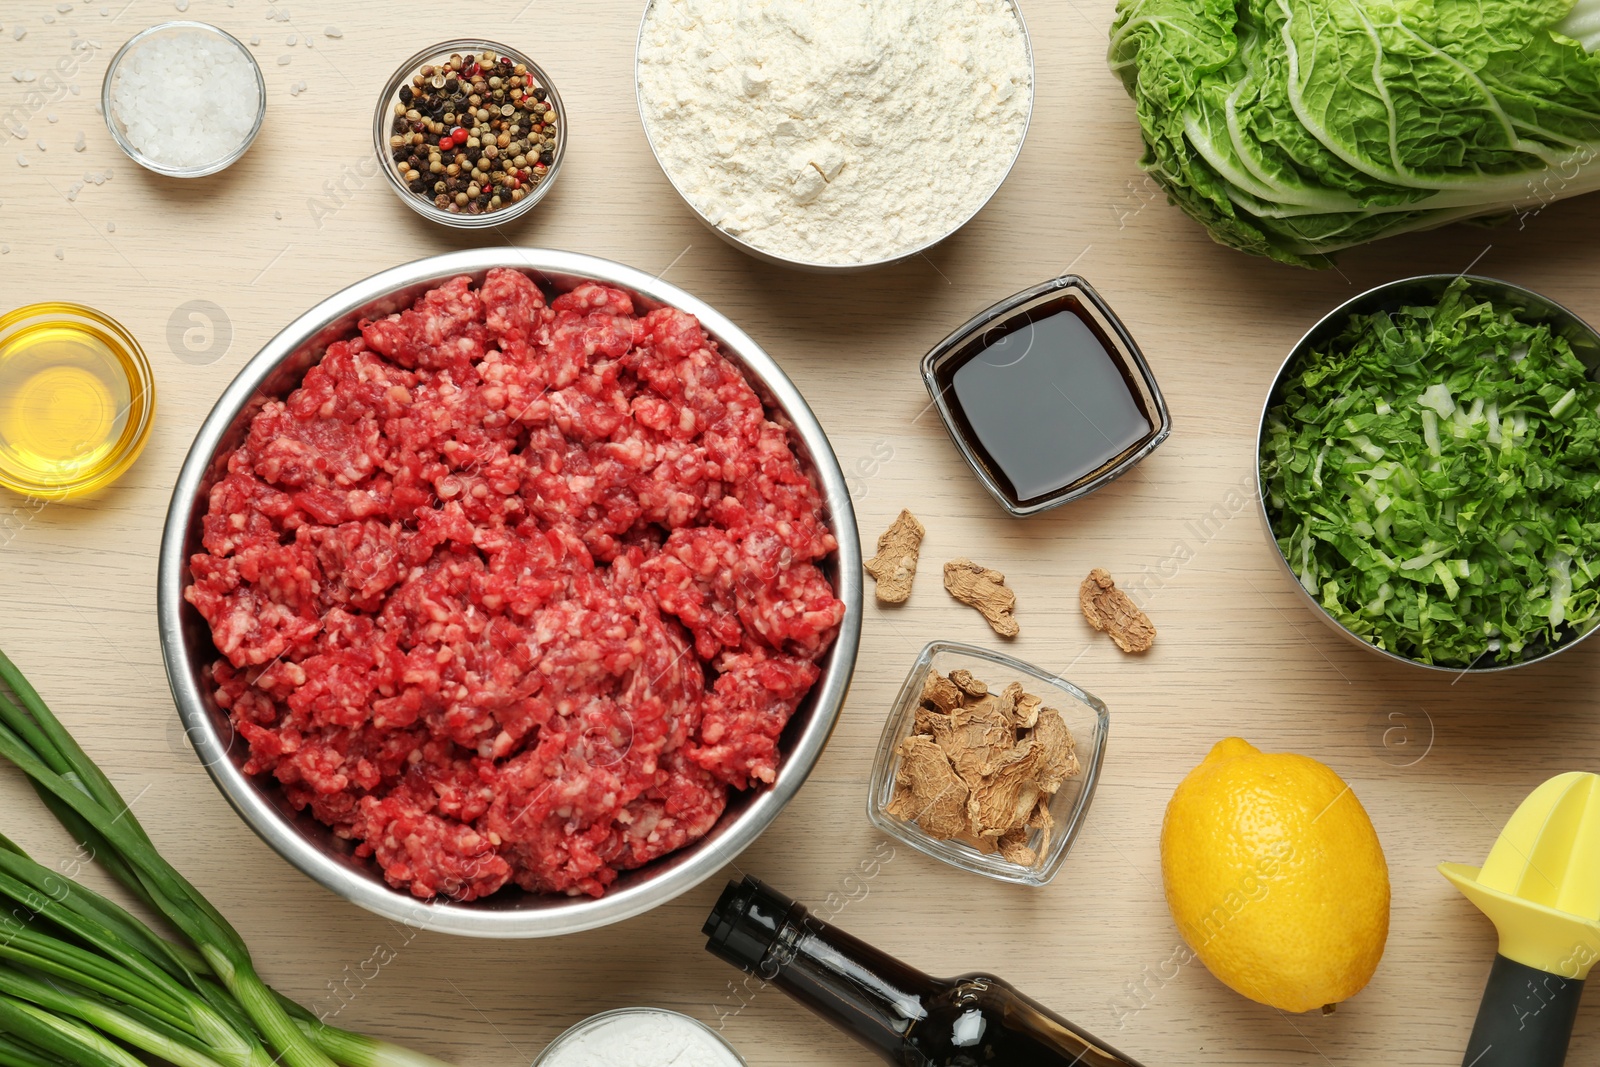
[{"x": 988, "y": 763}]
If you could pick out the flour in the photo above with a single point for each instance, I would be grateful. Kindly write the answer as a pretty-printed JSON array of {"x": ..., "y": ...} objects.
[
  {"x": 835, "y": 131},
  {"x": 640, "y": 1038}
]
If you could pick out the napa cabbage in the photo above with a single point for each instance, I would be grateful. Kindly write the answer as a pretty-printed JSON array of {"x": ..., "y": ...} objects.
[{"x": 1294, "y": 128}]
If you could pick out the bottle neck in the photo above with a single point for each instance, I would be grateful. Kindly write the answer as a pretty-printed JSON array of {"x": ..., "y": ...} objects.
[
  {"x": 860, "y": 989},
  {"x": 869, "y": 994}
]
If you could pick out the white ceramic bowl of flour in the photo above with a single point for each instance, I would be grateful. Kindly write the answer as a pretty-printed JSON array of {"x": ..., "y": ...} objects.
[
  {"x": 639, "y": 1037},
  {"x": 834, "y": 135}
]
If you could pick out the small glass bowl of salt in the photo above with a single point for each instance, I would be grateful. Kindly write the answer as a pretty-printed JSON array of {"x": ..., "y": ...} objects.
[
  {"x": 639, "y": 1037},
  {"x": 183, "y": 99}
]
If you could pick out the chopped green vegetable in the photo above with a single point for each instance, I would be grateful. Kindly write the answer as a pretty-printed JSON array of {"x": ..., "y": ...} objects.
[{"x": 1432, "y": 479}]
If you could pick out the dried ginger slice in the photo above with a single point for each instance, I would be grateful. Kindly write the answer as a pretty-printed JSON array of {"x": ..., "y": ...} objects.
[
  {"x": 1027, "y": 708},
  {"x": 985, "y": 590},
  {"x": 895, "y": 565},
  {"x": 963, "y": 680},
  {"x": 1006, "y": 798},
  {"x": 940, "y": 692},
  {"x": 927, "y": 789},
  {"x": 1108, "y": 608},
  {"x": 979, "y": 739},
  {"x": 1014, "y": 847},
  {"x": 1054, "y": 737}
]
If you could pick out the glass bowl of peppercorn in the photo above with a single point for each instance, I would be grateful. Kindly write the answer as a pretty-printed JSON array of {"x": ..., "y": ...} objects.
[{"x": 471, "y": 133}]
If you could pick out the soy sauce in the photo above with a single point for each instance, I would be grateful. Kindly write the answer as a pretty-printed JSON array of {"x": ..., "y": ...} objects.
[{"x": 1046, "y": 401}]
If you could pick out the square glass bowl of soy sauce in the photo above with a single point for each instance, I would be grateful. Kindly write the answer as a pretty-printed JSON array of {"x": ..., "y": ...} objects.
[{"x": 1046, "y": 395}]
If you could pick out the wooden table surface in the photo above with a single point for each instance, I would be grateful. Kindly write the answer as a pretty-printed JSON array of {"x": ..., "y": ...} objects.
[{"x": 205, "y": 272}]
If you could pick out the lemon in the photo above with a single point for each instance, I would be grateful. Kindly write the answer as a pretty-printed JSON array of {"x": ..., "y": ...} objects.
[{"x": 1275, "y": 877}]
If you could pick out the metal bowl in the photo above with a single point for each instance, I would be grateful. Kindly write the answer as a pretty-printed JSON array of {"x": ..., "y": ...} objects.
[
  {"x": 837, "y": 268},
  {"x": 1421, "y": 290},
  {"x": 384, "y": 115},
  {"x": 172, "y": 29},
  {"x": 188, "y": 651}
]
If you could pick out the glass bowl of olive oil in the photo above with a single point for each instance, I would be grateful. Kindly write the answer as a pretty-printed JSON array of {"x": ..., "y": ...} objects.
[{"x": 76, "y": 400}]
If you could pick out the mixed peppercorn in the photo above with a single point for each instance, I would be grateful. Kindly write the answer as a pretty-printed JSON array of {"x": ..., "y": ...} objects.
[{"x": 473, "y": 134}]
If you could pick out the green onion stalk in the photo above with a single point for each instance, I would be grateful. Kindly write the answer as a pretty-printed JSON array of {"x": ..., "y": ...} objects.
[{"x": 88, "y": 981}]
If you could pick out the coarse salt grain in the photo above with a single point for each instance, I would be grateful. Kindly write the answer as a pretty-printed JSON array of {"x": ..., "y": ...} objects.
[
  {"x": 186, "y": 99},
  {"x": 641, "y": 1039}
]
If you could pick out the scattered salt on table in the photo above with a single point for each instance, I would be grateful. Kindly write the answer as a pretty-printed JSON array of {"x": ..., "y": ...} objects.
[{"x": 186, "y": 99}]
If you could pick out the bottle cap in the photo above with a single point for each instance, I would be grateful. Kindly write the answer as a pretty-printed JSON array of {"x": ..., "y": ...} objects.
[{"x": 745, "y": 923}]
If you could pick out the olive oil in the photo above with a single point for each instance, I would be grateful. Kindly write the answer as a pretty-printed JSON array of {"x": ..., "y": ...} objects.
[{"x": 75, "y": 400}]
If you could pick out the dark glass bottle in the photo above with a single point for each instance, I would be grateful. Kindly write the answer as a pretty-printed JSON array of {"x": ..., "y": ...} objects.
[{"x": 905, "y": 1016}]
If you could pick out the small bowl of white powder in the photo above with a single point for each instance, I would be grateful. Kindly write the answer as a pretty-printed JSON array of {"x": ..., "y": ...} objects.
[
  {"x": 639, "y": 1037},
  {"x": 183, "y": 99},
  {"x": 834, "y": 134}
]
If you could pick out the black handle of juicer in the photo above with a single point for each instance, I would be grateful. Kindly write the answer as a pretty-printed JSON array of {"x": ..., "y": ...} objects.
[{"x": 1525, "y": 1019}]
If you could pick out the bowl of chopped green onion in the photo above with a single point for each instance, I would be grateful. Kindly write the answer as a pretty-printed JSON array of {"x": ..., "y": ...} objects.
[{"x": 1429, "y": 469}]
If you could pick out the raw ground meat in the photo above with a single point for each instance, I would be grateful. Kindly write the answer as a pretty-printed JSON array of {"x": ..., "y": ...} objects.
[{"x": 515, "y": 591}]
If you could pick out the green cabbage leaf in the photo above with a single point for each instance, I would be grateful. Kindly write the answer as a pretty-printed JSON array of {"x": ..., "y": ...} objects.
[{"x": 1294, "y": 128}]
